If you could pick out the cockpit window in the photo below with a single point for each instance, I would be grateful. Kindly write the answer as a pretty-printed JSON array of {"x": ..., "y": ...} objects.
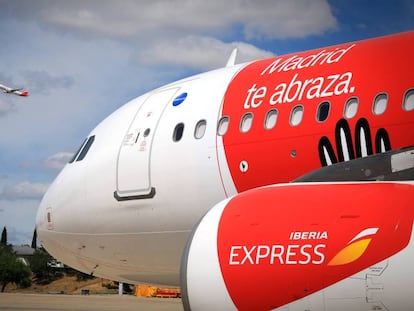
[
  {"x": 86, "y": 148},
  {"x": 77, "y": 152}
]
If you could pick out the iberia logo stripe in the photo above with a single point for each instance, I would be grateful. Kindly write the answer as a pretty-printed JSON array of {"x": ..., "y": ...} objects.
[{"x": 353, "y": 250}]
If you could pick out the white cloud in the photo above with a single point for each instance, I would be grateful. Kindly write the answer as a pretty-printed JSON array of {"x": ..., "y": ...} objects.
[
  {"x": 192, "y": 34},
  {"x": 5, "y": 106},
  {"x": 257, "y": 19},
  {"x": 24, "y": 190},
  {"x": 287, "y": 19},
  {"x": 6, "y": 79},
  {"x": 197, "y": 52},
  {"x": 19, "y": 218},
  {"x": 40, "y": 81},
  {"x": 58, "y": 160},
  {"x": 15, "y": 236}
]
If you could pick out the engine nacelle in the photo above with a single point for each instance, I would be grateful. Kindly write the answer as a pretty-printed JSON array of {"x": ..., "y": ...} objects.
[{"x": 307, "y": 246}]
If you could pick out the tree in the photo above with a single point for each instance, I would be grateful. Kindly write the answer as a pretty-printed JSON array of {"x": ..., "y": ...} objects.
[
  {"x": 34, "y": 239},
  {"x": 12, "y": 270},
  {"x": 40, "y": 265},
  {"x": 4, "y": 236}
]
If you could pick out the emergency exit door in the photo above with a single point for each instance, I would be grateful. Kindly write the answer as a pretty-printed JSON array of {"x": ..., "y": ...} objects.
[{"x": 133, "y": 165}]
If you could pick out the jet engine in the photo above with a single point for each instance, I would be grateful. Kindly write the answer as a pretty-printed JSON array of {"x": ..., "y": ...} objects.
[{"x": 304, "y": 246}]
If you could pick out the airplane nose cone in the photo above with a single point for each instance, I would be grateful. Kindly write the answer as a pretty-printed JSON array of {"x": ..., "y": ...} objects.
[
  {"x": 48, "y": 210},
  {"x": 40, "y": 217},
  {"x": 55, "y": 212},
  {"x": 43, "y": 216}
]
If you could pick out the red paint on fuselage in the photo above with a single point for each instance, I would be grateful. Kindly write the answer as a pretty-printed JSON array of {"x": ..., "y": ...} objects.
[{"x": 335, "y": 74}]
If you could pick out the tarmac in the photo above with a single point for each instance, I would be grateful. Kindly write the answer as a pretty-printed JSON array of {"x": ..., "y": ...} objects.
[{"x": 45, "y": 302}]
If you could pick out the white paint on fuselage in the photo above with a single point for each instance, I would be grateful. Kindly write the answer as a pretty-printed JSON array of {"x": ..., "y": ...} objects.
[{"x": 140, "y": 240}]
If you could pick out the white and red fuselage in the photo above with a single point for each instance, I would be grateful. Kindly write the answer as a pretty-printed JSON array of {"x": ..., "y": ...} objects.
[
  {"x": 9, "y": 90},
  {"x": 125, "y": 206}
]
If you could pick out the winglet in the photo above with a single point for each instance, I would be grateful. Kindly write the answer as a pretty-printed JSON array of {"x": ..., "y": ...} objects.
[{"x": 232, "y": 59}]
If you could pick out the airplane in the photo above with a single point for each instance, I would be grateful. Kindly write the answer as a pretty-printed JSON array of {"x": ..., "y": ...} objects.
[
  {"x": 284, "y": 183},
  {"x": 19, "y": 92}
]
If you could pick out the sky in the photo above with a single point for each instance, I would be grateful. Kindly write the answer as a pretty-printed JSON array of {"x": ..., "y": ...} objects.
[{"x": 81, "y": 60}]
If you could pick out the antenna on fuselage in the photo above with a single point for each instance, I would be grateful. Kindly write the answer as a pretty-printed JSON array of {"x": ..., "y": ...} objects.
[{"x": 232, "y": 59}]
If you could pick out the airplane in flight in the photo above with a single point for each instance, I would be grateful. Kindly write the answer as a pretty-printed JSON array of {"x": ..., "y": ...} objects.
[
  {"x": 284, "y": 183},
  {"x": 19, "y": 92}
]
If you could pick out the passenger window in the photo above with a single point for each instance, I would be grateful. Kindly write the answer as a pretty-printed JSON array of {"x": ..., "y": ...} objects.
[
  {"x": 270, "y": 119},
  {"x": 323, "y": 111},
  {"x": 86, "y": 148},
  {"x": 409, "y": 100},
  {"x": 351, "y": 108},
  {"x": 78, "y": 151},
  {"x": 380, "y": 104},
  {"x": 246, "y": 122},
  {"x": 178, "y": 132},
  {"x": 200, "y": 129},
  {"x": 223, "y": 125},
  {"x": 296, "y": 115}
]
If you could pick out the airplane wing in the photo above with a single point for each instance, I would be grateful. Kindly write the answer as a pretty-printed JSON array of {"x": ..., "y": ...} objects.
[
  {"x": 396, "y": 165},
  {"x": 19, "y": 91}
]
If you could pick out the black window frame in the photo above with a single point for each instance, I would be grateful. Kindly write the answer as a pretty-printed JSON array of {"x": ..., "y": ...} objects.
[{"x": 86, "y": 148}]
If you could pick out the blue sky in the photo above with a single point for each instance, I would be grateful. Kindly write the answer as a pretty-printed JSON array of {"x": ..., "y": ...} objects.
[{"x": 81, "y": 60}]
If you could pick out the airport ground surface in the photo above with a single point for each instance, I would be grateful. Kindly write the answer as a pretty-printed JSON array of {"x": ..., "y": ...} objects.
[{"x": 47, "y": 302}]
